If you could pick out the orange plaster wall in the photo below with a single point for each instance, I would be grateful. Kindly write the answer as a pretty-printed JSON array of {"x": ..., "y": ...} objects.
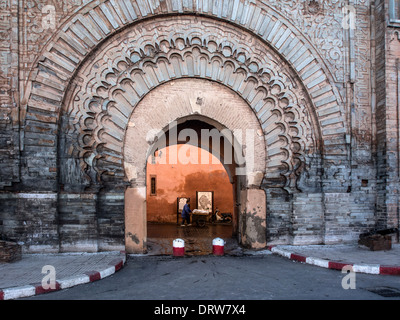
[{"x": 183, "y": 180}]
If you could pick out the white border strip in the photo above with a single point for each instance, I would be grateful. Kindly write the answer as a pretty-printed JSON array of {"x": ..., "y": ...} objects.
[{"x": 317, "y": 262}]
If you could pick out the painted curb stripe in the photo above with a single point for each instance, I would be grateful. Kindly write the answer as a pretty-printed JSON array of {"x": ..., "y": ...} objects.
[
  {"x": 36, "y": 289},
  {"x": 361, "y": 268},
  {"x": 107, "y": 272},
  {"x": 317, "y": 262},
  {"x": 390, "y": 270},
  {"x": 117, "y": 263},
  {"x": 40, "y": 290},
  {"x": 281, "y": 252},
  {"x": 19, "y": 292},
  {"x": 297, "y": 257},
  {"x": 93, "y": 275},
  {"x": 73, "y": 281},
  {"x": 367, "y": 268},
  {"x": 337, "y": 265}
]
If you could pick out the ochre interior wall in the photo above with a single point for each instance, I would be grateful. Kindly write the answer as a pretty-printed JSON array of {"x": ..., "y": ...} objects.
[{"x": 183, "y": 180}]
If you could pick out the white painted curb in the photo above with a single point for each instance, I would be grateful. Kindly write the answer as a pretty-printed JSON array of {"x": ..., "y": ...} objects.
[{"x": 31, "y": 290}]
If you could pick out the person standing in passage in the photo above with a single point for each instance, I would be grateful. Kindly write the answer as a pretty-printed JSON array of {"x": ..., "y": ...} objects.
[{"x": 186, "y": 214}]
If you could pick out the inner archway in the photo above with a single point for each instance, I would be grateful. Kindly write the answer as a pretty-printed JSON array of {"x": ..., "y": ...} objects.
[
  {"x": 209, "y": 161},
  {"x": 196, "y": 175},
  {"x": 233, "y": 137}
]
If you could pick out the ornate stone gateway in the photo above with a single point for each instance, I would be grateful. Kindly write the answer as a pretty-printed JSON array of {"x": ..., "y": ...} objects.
[
  {"x": 168, "y": 69},
  {"x": 117, "y": 74}
]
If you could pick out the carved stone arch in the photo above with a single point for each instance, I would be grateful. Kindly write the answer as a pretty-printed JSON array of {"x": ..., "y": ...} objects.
[
  {"x": 93, "y": 23},
  {"x": 116, "y": 84}
]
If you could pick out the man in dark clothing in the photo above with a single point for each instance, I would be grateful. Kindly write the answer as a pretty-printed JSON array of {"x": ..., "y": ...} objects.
[{"x": 186, "y": 214}]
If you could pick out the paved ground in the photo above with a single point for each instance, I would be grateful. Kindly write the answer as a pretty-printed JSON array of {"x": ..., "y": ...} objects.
[
  {"x": 198, "y": 241},
  {"x": 159, "y": 268},
  {"x": 228, "y": 278}
]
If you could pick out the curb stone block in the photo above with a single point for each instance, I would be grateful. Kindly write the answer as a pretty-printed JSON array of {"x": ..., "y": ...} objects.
[
  {"x": 338, "y": 265},
  {"x": 361, "y": 268},
  {"x": 93, "y": 275},
  {"x": 297, "y": 257},
  {"x": 36, "y": 289},
  {"x": 40, "y": 290},
  {"x": 390, "y": 270}
]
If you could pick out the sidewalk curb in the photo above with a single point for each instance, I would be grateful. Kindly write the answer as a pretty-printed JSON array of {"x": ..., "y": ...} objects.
[
  {"x": 361, "y": 268},
  {"x": 87, "y": 277}
]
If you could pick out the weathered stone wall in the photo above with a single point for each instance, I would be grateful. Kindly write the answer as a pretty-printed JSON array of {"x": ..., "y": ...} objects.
[
  {"x": 324, "y": 94},
  {"x": 31, "y": 220},
  {"x": 9, "y": 95},
  {"x": 390, "y": 43},
  {"x": 387, "y": 50}
]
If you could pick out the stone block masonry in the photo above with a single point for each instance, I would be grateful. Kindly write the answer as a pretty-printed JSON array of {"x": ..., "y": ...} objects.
[
  {"x": 78, "y": 98},
  {"x": 30, "y": 219}
]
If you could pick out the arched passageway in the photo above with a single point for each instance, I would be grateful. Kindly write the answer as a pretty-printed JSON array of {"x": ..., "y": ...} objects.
[
  {"x": 199, "y": 176},
  {"x": 226, "y": 136}
]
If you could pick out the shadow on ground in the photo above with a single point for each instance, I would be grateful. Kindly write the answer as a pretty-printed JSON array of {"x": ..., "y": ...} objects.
[{"x": 198, "y": 240}]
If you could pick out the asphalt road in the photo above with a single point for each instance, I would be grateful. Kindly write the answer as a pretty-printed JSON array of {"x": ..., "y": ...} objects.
[{"x": 226, "y": 278}]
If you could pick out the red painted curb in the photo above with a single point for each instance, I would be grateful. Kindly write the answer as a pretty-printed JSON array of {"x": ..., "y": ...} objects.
[
  {"x": 297, "y": 257},
  {"x": 117, "y": 263},
  {"x": 1, "y": 295},
  {"x": 93, "y": 275},
  {"x": 337, "y": 265},
  {"x": 389, "y": 270},
  {"x": 40, "y": 290}
]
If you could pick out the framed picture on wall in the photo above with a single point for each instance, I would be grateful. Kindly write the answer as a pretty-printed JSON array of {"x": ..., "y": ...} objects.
[{"x": 205, "y": 200}]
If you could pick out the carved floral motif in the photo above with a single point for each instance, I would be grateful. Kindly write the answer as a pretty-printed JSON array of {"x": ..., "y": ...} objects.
[{"x": 321, "y": 22}]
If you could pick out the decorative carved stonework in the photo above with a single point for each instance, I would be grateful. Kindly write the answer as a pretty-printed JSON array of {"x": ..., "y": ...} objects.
[
  {"x": 127, "y": 69},
  {"x": 313, "y": 7}
]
